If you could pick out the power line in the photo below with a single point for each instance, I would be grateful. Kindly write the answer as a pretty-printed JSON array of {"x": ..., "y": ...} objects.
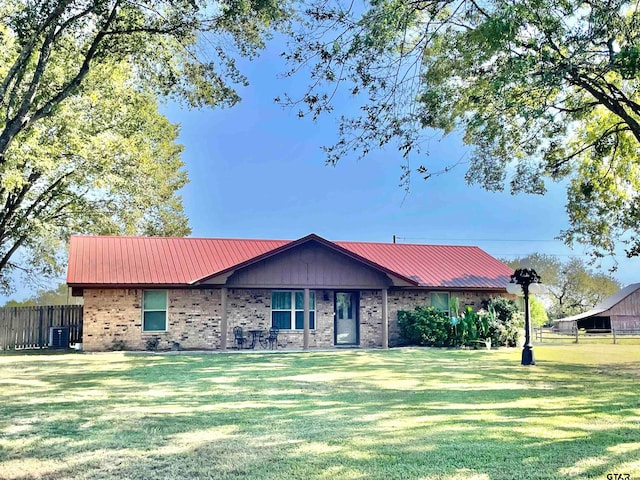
[
  {"x": 543, "y": 253},
  {"x": 522, "y": 240},
  {"x": 443, "y": 239}
]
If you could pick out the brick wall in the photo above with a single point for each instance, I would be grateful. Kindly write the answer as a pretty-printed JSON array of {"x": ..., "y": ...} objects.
[
  {"x": 115, "y": 315},
  {"x": 371, "y": 318},
  {"x": 251, "y": 309},
  {"x": 112, "y": 315}
]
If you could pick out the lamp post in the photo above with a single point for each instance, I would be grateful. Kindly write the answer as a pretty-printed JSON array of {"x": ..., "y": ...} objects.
[{"x": 529, "y": 280}]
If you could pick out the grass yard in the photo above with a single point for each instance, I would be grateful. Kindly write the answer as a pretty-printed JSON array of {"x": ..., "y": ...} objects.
[{"x": 398, "y": 414}]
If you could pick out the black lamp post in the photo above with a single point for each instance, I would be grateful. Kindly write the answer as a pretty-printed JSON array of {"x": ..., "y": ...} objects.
[{"x": 529, "y": 280}]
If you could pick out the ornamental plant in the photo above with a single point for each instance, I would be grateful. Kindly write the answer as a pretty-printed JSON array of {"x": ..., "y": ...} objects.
[
  {"x": 430, "y": 326},
  {"x": 426, "y": 326},
  {"x": 500, "y": 322},
  {"x": 473, "y": 327},
  {"x": 504, "y": 322}
]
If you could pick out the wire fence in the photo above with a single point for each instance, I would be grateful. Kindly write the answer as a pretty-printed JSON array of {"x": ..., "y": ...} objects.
[{"x": 551, "y": 335}]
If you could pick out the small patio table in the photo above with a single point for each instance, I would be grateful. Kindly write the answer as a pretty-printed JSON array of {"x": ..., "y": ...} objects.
[{"x": 256, "y": 335}]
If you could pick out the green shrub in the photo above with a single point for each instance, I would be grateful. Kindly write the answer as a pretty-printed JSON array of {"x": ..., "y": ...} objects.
[
  {"x": 426, "y": 326},
  {"x": 504, "y": 321},
  {"x": 432, "y": 327}
]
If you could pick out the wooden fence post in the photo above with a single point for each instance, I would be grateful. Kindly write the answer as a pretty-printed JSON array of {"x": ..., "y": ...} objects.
[{"x": 40, "y": 329}]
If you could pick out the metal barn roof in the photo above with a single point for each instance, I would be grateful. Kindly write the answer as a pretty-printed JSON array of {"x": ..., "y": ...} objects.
[{"x": 605, "y": 305}]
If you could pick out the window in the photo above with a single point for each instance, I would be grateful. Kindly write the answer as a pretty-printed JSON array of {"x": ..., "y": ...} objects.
[
  {"x": 154, "y": 311},
  {"x": 287, "y": 310},
  {"x": 440, "y": 300}
]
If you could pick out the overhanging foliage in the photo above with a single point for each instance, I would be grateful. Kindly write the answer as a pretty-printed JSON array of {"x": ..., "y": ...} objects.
[{"x": 539, "y": 89}]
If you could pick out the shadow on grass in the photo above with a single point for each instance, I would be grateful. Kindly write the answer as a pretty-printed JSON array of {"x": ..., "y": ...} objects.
[{"x": 398, "y": 414}]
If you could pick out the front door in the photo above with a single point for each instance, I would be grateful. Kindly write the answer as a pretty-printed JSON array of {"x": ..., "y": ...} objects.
[{"x": 346, "y": 326}]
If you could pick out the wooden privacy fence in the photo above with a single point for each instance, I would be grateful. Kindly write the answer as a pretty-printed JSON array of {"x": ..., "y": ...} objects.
[
  {"x": 29, "y": 327},
  {"x": 542, "y": 335}
]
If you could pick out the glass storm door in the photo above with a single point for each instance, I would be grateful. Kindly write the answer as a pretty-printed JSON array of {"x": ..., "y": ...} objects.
[{"x": 346, "y": 327}]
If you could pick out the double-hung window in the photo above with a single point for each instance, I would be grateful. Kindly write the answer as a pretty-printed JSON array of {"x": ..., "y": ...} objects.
[
  {"x": 287, "y": 310},
  {"x": 440, "y": 300},
  {"x": 154, "y": 310}
]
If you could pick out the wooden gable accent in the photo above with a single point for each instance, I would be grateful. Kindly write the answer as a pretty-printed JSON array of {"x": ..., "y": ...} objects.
[{"x": 310, "y": 265}]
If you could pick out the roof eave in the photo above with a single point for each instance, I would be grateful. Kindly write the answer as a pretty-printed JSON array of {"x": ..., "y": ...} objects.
[
  {"x": 580, "y": 316},
  {"x": 461, "y": 287},
  {"x": 129, "y": 285}
]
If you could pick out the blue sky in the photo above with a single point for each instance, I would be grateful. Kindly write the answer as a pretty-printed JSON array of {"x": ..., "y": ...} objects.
[{"x": 258, "y": 171}]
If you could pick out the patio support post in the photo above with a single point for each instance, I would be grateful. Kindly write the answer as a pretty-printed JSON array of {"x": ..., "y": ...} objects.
[
  {"x": 305, "y": 344},
  {"x": 385, "y": 319},
  {"x": 223, "y": 318}
]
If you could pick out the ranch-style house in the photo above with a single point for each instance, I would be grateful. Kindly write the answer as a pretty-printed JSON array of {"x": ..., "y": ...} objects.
[{"x": 192, "y": 292}]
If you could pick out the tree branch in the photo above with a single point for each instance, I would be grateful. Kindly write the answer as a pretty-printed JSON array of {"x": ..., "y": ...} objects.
[
  {"x": 614, "y": 129},
  {"x": 26, "y": 51},
  {"x": 7, "y": 256},
  {"x": 14, "y": 201},
  {"x": 613, "y": 105},
  {"x": 22, "y": 121}
]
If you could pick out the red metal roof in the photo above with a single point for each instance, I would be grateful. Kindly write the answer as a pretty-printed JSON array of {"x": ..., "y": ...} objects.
[
  {"x": 156, "y": 260},
  {"x": 146, "y": 261},
  {"x": 437, "y": 265}
]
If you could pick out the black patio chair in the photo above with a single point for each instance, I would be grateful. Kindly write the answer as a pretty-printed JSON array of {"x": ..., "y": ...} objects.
[
  {"x": 239, "y": 340},
  {"x": 272, "y": 338}
]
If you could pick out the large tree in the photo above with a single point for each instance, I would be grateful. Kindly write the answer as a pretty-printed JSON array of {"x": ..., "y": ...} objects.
[
  {"x": 572, "y": 286},
  {"x": 539, "y": 89},
  {"x": 83, "y": 147}
]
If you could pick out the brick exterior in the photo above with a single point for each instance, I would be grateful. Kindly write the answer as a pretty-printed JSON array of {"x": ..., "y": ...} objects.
[
  {"x": 112, "y": 315},
  {"x": 194, "y": 316},
  {"x": 371, "y": 318}
]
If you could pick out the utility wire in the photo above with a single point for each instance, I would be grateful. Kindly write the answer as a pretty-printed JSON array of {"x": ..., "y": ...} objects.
[
  {"x": 543, "y": 253},
  {"x": 435, "y": 239},
  {"x": 445, "y": 239}
]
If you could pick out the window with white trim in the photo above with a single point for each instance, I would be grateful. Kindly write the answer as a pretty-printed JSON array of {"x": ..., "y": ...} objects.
[
  {"x": 154, "y": 310},
  {"x": 287, "y": 310},
  {"x": 440, "y": 300}
]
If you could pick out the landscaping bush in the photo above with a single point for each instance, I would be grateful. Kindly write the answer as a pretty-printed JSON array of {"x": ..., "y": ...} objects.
[
  {"x": 426, "y": 326},
  {"x": 505, "y": 322},
  {"x": 499, "y": 322}
]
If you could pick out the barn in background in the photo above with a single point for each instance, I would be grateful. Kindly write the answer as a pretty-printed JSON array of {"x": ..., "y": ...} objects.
[{"x": 619, "y": 313}]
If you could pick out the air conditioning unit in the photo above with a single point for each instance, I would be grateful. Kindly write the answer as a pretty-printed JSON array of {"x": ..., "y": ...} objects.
[{"x": 59, "y": 337}]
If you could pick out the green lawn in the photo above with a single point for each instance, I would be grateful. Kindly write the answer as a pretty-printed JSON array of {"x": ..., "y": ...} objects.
[{"x": 398, "y": 414}]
